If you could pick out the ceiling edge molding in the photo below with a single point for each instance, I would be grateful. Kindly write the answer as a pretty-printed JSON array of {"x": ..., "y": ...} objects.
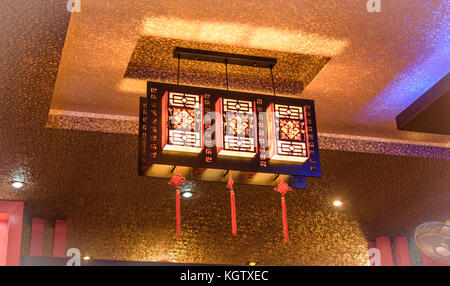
[
  {"x": 59, "y": 119},
  {"x": 382, "y": 146}
]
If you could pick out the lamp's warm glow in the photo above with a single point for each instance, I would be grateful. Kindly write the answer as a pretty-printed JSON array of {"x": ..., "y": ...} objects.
[
  {"x": 287, "y": 133},
  {"x": 252, "y": 263},
  {"x": 337, "y": 203},
  {"x": 87, "y": 258},
  {"x": 289, "y": 158},
  {"x": 17, "y": 185},
  {"x": 236, "y": 154},
  {"x": 235, "y": 126},
  {"x": 183, "y": 148},
  {"x": 131, "y": 85},
  {"x": 182, "y": 119}
]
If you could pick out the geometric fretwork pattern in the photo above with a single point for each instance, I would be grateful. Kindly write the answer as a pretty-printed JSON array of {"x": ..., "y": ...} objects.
[
  {"x": 290, "y": 127},
  {"x": 239, "y": 125},
  {"x": 184, "y": 120}
]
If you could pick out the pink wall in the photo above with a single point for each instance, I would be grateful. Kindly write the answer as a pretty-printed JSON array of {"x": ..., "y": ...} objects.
[
  {"x": 401, "y": 250},
  {"x": 11, "y": 216},
  {"x": 37, "y": 236},
  {"x": 3, "y": 238},
  {"x": 59, "y": 240}
]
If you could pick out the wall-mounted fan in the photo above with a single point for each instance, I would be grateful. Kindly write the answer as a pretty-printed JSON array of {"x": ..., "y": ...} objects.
[{"x": 433, "y": 239}]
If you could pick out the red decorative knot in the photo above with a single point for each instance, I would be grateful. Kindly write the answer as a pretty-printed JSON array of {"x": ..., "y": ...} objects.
[
  {"x": 230, "y": 182},
  {"x": 282, "y": 187},
  {"x": 177, "y": 179}
]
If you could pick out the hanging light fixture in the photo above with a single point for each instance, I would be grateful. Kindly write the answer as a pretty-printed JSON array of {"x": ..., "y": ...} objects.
[{"x": 253, "y": 133}]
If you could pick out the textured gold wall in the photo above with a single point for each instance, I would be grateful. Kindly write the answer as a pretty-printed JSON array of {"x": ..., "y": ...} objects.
[{"x": 114, "y": 214}]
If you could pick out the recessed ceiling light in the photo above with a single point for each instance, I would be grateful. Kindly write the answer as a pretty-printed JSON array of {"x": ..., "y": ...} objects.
[
  {"x": 252, "y": 263},
  {"x": 17, "y": 185},
  {"x": 187, "y": 194},
  {"x": 337, "y": 203}
]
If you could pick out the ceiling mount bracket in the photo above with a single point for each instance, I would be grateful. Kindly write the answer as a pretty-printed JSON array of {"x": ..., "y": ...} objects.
[{"x": 218, "y": 57}]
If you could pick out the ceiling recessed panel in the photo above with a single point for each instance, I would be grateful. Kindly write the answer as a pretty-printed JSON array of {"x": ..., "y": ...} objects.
[{"x": 153, "y": 60}]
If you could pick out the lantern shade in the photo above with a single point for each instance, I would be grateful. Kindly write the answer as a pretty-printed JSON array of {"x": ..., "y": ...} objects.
[
  {"x": 287, "y": 133},
  {"x": 246, "y": 119},
  {"x": 236, "y": 128},
  {"x": 182, "y": 122}
]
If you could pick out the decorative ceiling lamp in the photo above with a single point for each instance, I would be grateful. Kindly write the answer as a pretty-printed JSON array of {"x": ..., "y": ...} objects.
[
  {"x": 257, "y": 136},
  {"x": 176, "y": 181}
]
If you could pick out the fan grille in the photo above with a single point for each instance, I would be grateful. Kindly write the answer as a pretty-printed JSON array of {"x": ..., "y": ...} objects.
[{"x": 433, "y": 239}]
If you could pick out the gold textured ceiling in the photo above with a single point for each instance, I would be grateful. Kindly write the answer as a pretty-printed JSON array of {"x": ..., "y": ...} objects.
[{"x": 358, "y": 93}]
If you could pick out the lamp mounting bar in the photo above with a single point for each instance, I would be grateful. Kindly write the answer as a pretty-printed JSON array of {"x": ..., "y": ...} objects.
[{"x": 218, "y": 57}]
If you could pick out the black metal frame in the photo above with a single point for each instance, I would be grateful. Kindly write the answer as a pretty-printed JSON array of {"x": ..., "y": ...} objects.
[{"x": 150, "y": 134}]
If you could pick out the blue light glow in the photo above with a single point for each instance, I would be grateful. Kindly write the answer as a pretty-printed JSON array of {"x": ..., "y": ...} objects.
[{"x": 414, "y": 81}]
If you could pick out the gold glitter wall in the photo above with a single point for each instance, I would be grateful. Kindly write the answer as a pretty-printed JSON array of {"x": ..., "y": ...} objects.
[{"x": 114, "y": 214}]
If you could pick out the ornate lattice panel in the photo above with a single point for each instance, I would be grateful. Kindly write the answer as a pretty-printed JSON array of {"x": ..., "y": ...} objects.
[
  {"x": 236, "y": 128},
  {"x": 182, "y": 122},
  {"x": 288, "y": 133}
]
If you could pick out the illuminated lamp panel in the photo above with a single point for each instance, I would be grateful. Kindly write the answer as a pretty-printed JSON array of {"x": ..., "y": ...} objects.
[
  {"x": 182, "y": 122},
  {"x": 287, "y": 132},
  {"x": 236, "y": 128}
]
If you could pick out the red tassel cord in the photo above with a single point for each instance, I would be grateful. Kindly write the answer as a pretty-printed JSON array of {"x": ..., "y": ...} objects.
[
  {"x": 233, "y": 206},
  {"x": 176, "y": 181},
  {"x": 178, "y": 211},
  {"x": 283, "y": 188},
  {"x": 285, "y": 224}
]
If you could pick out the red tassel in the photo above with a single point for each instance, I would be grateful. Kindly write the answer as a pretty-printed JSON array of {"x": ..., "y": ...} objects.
[
  {"x": 285, "y": 223},
  {"x": 283, "y": 188},
  {"x": 233, "y": 214},
  {"x": 176, "y": 181},
  {"x": 178, "y": 210},
  {"x": 233, "y": 206}
]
